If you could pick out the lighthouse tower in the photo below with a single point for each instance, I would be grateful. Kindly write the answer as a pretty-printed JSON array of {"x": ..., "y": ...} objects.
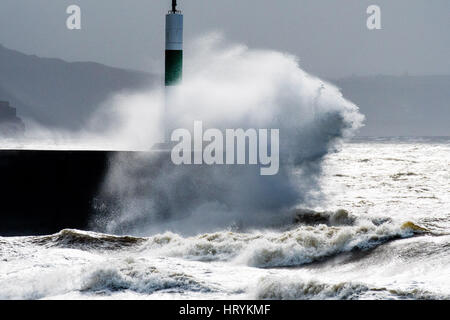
[
  {"x": 174, "y": 46},
  {"x": 173, "y": 64}
]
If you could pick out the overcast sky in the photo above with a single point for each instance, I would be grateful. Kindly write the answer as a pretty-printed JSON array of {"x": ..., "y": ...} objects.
[{"x": 329, "y": 36}]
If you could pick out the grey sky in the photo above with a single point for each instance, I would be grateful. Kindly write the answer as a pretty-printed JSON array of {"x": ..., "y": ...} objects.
[{"x": 329, "y": 36}]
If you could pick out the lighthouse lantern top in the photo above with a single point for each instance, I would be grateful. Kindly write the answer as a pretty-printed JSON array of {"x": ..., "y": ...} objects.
[{"x": 174, "y": 7}]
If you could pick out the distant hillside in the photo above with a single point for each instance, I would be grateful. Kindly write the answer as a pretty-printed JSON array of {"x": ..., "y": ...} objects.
[
  {"x": 57, "y": 93},
  {"x": 401, "y": 106}
]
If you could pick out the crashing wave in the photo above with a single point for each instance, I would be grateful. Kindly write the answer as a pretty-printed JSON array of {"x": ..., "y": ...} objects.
[
  {"x": 274, "y": 288},
  {"x": 278, "y": 288},
  {"x": 85, "y": 240},
  {"x": 336, "y": 233},
  {"x": 300, "y": 245},
  {"x": 139, "y": 278}
]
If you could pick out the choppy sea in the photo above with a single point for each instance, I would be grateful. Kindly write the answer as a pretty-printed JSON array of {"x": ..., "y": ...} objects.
[{"x": 381, "y": 232}]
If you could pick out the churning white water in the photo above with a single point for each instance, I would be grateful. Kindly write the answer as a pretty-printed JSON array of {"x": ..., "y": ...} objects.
[{"x": 392, "y": 242}]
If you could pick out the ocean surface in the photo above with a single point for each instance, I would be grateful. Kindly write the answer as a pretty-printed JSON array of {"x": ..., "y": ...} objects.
[{"x": 382, "y": 231}]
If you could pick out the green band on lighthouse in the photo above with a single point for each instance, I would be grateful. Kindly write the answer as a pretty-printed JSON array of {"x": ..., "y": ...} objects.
[{"x": 174, "y": 67}]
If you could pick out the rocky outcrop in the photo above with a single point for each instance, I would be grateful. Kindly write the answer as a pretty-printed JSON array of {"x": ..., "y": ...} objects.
[{"x": 10, "y": 124}]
